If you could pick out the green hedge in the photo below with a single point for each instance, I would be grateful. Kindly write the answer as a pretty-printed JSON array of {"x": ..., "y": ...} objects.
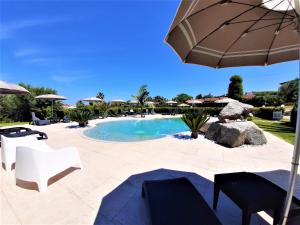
[
  {"x": 212, "y": 111},
  {"x": 266, "y": 112},
  {"x": 294, "y": 116}
]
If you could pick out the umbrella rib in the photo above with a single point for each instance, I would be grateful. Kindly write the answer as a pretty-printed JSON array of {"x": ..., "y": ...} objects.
[
  {"x": 276, "y": 33},
  {"x": 245, "y": 32},
  {"x": 270, "y": 25},
  {"x": 242, "y": 3},
  {"x": 286, "y": 26},
  {"x": 225, "y": 23},
  {"x": 212, "y": 5},
  {"x": 246, "y": 21}
]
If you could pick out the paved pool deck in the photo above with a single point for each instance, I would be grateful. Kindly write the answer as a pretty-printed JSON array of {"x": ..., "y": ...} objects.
[{"x": 107, "y": 190}]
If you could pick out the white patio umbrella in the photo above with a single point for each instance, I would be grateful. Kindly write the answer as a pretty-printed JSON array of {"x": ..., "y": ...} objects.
[
  {"x": 7, "y": 88},
  {"x": 118, "y": 101},
  {"x": 194, "y": 101},
  {"x": 149, "y": 103},
  {"x": 92, "y": 99},
  {"x": 171, "y": 102},
  {"x": 183, "y": 105},
  {"x": 226, "y": 33},
  {"x": 133, "y": 101},
  {"x": 225, "y": 100},
  {"x": 52, "y": 98}
]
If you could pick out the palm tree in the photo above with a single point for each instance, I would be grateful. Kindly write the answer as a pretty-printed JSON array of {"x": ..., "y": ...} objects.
[
  {"x": 195, "y": 121},
  {"x": 100, "y": 95},
  {"x": 141, "y": 97}
]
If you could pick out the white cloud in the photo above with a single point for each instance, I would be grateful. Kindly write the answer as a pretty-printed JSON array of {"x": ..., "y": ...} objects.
[
  {"x": 25, "y": 52},
  {"x": 7, "y": 30},
  {"x": 70, "y": 78}
]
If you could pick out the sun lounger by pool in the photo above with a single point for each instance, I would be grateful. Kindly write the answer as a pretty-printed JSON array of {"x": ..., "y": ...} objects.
[
  {"x": 252, "y": 193},
  {"x": 38, "y": 121},
  {"x": 39, "y": 163},
  {"x": 21, "y": 132},
  {"x": 176, "y": 202}
]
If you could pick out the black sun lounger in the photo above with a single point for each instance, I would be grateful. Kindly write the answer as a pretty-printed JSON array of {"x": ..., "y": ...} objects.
[
  {"x": 176, "y": 202},
  {"x": 21, "y": 132}
]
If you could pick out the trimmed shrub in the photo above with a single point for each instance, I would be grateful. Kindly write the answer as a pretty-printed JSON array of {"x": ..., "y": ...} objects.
[
  {"x": 294, "y": 115},
  {"x": 267, "y": 112},
  {"x": 212, "y": 111}
]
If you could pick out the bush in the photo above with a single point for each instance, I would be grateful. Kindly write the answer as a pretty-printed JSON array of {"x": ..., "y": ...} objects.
[
  {"x": 294, "y": 115},
  {"x": 267, "y": 112},
  {"x": 195, "y": 121},
  {"x": 81, "y": 116},
  {"x": 212, "y": 111}
]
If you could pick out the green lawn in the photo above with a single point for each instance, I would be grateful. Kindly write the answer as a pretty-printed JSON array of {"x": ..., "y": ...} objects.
[
  {"x": 3, "y": 124},
  {"x": 281, "y": 129}
]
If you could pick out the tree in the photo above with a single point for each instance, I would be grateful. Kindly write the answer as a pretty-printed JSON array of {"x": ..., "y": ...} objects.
[
  {"x": 235, "y": 89},
  {"x": 289, "y": 91},
  {"x": 208, "y": 96},
  {"x": 159, "y": 99},
  {"x": 199, "y": 96},
  {"x": 19, "y": 107},
  {"x": 100, "y": 95},
  {"x": 141, "y": 97},
  {"x": 183, "y": 97}
]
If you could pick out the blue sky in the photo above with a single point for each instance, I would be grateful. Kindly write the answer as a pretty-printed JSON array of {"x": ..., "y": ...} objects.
[{"x": 82, "y": 47}]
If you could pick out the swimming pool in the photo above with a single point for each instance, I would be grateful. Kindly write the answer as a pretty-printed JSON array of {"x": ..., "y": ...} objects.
[{"x": 136, "y": 130}]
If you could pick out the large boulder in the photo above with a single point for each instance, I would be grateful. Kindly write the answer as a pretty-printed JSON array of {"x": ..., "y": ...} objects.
[
  {"x": 235, "y": 134},
  {"x": 206, "y": 126},
  {"x": 235, "y": 111}
]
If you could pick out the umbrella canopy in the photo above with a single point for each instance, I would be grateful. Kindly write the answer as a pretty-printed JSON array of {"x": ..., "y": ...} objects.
[
  {"x": 194, "y": 101},
  {"x": 118, "y": 101},
  {"x": 92, "y": 99},
  {"x": 149, "y": 103},
  {"x": 171, "y": 102},
  {"x": 225, "y": 100},
  {"x": 7, "y": 88},
  {"x": 245, "y": 32},
  {"x": 183, "y": 105},
  {"x": 51, "y": 97},
  {"x": 133, "y": 101}
]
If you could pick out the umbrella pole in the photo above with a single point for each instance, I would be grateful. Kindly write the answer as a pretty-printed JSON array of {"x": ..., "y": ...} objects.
[
  {"x": 52, "y": 108},
  {"x": 296, "y": 154}
]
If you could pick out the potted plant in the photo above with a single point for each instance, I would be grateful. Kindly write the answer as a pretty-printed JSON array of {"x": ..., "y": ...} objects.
[
  {"x": 195, "y": 121},
  {"x": 81, "y": 116}
]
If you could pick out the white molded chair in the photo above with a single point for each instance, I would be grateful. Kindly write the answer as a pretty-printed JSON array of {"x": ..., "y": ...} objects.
[
  {"x": 9, "y": 145},
  {"x": 40, "y": 164}
]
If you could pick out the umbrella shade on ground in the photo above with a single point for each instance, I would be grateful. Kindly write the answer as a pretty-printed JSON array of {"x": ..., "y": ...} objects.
[
  {"x": 244, "y": 33},
  {"x": 92, "y": 99},
  {"x": 52, "y": 98},
  {"x": 7, "y": 88}
]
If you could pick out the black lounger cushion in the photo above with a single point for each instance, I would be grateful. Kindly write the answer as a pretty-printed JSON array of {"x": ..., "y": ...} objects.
[{"x": 177, "y": 202}]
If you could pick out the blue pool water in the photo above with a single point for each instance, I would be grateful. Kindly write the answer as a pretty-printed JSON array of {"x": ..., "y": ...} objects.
[{"x": 136, "y": 130}]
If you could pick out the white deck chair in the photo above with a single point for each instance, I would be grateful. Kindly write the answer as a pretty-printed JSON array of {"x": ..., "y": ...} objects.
[
  {"x": 40, "y": 164},
  {"x": 9, "y": 145}
]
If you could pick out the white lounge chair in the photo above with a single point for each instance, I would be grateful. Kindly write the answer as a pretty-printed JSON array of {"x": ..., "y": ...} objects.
[
  {"x": 39, "y": 164},
  {"x": 9, "y": 145}
]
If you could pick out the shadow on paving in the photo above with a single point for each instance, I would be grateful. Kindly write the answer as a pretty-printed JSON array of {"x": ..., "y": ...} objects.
[{"x": 125, "y": 206}]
